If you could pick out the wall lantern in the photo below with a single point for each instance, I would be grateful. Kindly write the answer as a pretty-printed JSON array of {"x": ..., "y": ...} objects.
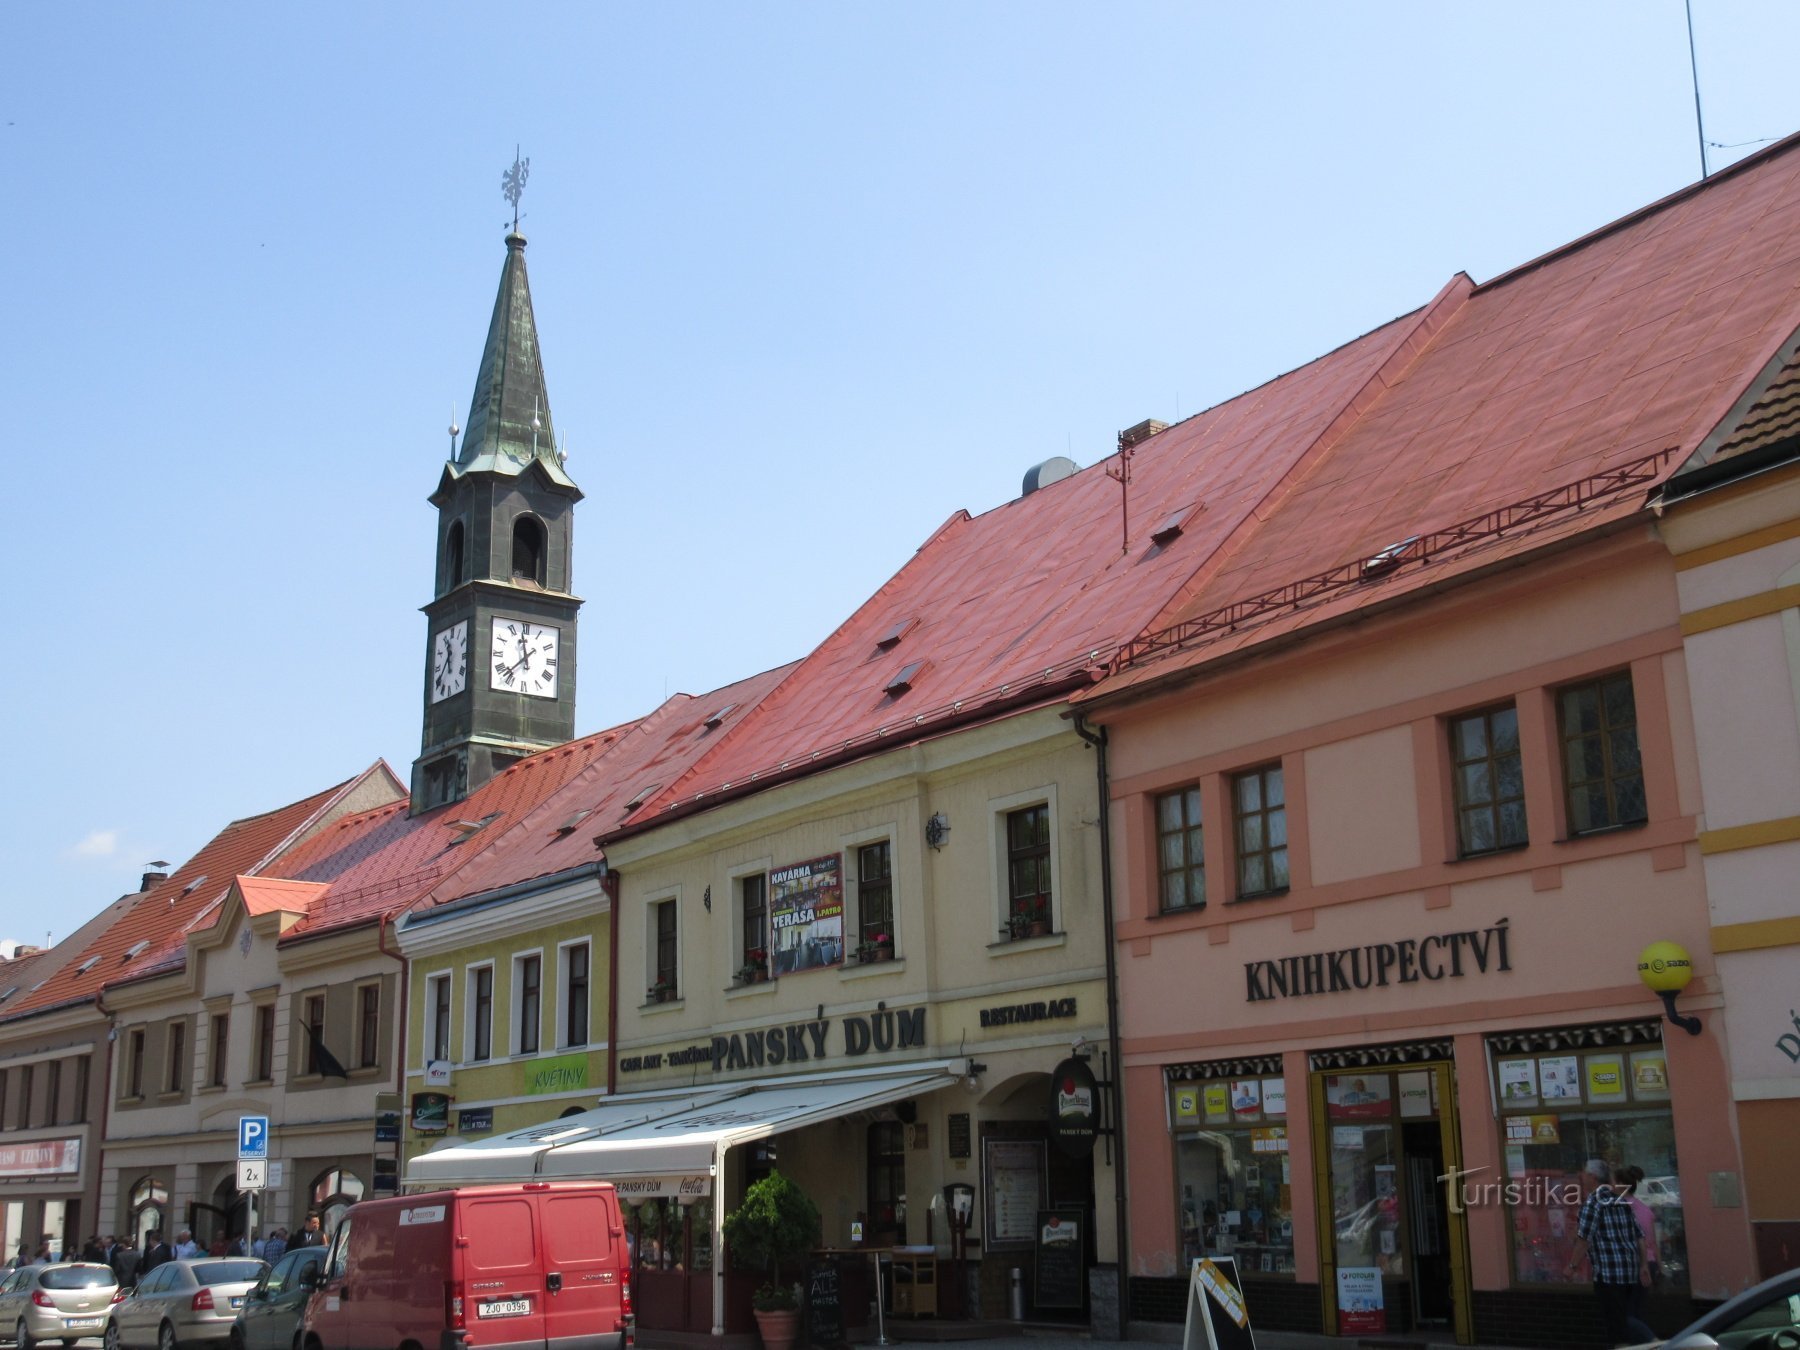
[
  {"x": 937, "y": 830},
  {"x": 1665, "y": 969}
]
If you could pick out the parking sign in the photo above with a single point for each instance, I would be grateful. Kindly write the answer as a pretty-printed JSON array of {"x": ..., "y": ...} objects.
[{"x": 253, "y": 1136}]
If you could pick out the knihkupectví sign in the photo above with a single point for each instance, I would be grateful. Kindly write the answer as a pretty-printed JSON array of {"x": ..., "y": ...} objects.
[{"x": 1474, "y": 951}]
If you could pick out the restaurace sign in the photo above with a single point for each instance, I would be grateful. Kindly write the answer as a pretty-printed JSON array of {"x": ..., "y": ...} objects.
[
  {"x": 795, "y": 1043},
  {"x": 1474, "y": 951}
]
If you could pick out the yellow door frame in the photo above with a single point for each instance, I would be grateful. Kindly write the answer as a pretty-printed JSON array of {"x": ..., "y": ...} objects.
[{"x": 1450, "y": 1137}]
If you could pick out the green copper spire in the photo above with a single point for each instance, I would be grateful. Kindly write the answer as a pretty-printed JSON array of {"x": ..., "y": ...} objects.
[{"x": 509, "y": 422}]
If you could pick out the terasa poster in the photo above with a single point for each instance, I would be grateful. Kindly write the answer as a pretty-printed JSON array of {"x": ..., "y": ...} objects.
[{"x": 806, "y": 915}]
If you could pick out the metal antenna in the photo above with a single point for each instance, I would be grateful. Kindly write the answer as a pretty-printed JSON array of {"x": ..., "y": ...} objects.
[
  {"x": 512, "y": 184},
  {"x": 1694, "y": 67},
  {"x": 1121, "y": 474}
]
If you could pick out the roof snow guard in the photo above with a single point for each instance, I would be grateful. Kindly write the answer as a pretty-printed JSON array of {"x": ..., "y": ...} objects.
[{"x": 1533, "y": 513}]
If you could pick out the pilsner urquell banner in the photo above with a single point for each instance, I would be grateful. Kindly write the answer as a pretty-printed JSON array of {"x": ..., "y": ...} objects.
[{"x": 806, "y": 915}]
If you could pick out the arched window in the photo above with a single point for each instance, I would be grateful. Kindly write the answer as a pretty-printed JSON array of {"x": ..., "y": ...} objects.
[
  {"x": 528, "y": 549},
  {"x": 333, "y": 1192},
  {"x": 148, "y": 1196},
  {"x": 453, "y": 555}
]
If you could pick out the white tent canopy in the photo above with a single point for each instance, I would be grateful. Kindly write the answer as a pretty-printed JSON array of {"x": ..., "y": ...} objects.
[{"x": 665, "y": 1141}]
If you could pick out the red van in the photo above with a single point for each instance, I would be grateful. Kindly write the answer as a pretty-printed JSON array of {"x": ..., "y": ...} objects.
[{"x": 542, "y": 1266}]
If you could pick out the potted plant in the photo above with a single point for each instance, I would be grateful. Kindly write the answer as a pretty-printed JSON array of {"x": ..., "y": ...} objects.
[
  {"x": 774, "y": 1228},
  {"x": 755, "y": 968},
  {"x": 661, "y": 992}
]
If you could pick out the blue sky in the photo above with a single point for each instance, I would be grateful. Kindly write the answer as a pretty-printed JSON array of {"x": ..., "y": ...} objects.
[{"x": 808, "y": 278}]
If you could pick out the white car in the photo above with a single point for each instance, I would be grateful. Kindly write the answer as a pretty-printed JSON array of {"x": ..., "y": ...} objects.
[{"x": 63, "y": 1302}]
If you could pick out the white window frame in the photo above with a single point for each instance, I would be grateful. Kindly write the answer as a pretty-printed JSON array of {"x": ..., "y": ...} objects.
[
  {"x": 426, "y": 1047},
  {"x": 563, "y": 949},
  {"x": 734, "y": 887},
  {"x": 470, "y": 971},
  {"x": 515, "y": 999},
  {"x": 998, "y": 810}
]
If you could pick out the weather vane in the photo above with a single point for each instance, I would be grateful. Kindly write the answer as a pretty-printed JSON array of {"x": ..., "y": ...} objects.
[{"x": 512, "y": 184}]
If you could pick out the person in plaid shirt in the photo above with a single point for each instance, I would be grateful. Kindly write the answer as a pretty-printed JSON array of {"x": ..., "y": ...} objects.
[{"x": 1608, "y": 1235}]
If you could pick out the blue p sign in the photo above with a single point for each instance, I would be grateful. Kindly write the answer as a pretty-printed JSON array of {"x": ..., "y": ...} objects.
[{"x": 253, "y": 1136}]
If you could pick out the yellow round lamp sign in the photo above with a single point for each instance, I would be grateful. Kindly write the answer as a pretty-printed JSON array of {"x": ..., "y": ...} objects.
[{"x": 1665, "y": 967}]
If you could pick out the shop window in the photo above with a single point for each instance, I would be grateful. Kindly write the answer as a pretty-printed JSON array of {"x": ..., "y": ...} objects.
[
  {"x": 665, "y": 1235},
  {"x": 664, "y": 953},
  {"x": 887, "y": 1183},
  {"x": 1180, "y": 857},
  {"x": 1603, "y": 774},
  {"x": 528, "y": 1002},
  {"x": 216, "y": 1049},
  {"x": 753, "y": 926},
  {"x": 1028, "y": 911},
  {"x": 1259, "y": 812},
  {"x": 575, "y": 958},
  {"x": 481, "y": 1013},
  {"x": 1233, "y": 1172},
  {"x": 1489, "y": 781},
  {"x": 1570, "y": 1116},
  {"x": 368, "y": 1026},
  {"x": 437, "y": 998}
]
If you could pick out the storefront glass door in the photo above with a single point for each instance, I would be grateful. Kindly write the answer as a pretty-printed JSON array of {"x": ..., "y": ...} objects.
[{"x": 1392, "y": 1252}]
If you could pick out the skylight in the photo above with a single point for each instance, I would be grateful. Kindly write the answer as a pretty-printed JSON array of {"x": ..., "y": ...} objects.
[
  {"x": 1388, "y": 558},
  {"x": 641, "y": 796},
  {"x": 9, "y": 993},
  {"x": 893, "y": 635},
  {"x": 904, "y": 680},
  {"x": 137, "y": 948},
  {"x": 1172, "y": 525},
  {"x": 194, "y": 885},
  {"x": 87, "y": 965},
  {"x": 713, "y": 719},
  {"x": 568, "y": 826}
]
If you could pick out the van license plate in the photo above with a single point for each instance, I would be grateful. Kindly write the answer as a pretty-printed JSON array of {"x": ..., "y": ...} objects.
[{"x": 505, "y": 1307}]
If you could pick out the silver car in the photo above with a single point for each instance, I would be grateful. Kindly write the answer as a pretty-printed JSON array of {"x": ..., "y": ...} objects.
[
  {"x": 183, "y": 1302},
  {"x": 60, "y": 1302}
]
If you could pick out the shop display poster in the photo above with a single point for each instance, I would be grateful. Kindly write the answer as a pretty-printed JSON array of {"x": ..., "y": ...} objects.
[
  {"x": 1518, "y": 1082},
  {"x": 1359, "y": 1303},
  {"x": 1415, "y": 1094},
  {"x": 1649, "y": 1073},
  {"x": 1560, "y": 1077},
  {"x": 1361, "y": 1096},
  {"x": 1605, "y": 1077},
  {"x": 1347, "y": 1138},
  {"x": 1187, "y": 1105},
  {"x": 1269, "y": 1139},
  {"x": 1246, "y": 1097},
  {"x": 806, "y": 915},
  {"x": 1524, "y": 1130},
  {"x": 1218, "y": 1315},
  {"x": 1015, "y": 1182},
  {"x": 1274, "y": 1092},
  {"x": 1218, "y": 1102}
]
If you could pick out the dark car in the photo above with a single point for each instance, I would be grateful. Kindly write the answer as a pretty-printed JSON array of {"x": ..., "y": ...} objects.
[
  {"x": 270, "y": 1317},
  {"x": 1765, "y": 1317}
]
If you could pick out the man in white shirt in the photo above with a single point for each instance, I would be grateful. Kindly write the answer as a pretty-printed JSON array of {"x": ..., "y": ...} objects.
[{"x": 186, "y": 1249}]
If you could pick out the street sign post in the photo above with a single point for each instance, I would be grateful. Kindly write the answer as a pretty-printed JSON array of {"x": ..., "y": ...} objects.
[{"x": 253, "y": 1137}]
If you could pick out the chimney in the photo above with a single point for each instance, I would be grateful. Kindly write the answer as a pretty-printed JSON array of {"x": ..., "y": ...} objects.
[
  {"x": 152, "y": 880},
  {"x": 1143, "y": 431}
]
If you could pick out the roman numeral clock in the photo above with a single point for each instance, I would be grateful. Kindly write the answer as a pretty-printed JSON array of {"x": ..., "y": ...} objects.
[{"x": 524, "y": 657}]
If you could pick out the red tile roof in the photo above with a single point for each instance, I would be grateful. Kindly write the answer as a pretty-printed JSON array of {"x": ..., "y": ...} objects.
[
  {"x": 559, "y": 835},
  {"x": 1586, "y": 376},
  {"x": 384, "y": 860},
  {"x": 269, "y": 895},
  {"x": 151, "y": 931}
]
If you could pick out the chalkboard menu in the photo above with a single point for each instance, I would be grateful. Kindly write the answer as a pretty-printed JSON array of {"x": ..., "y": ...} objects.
[
  {"x": 824, "y": 1308},
  {"x": 959, "y": 1134},
  {"x": 1060, "y": 1266}
]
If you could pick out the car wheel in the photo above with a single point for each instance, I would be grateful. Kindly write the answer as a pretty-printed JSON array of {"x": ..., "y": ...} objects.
[
  {"x": 22, "y": 1336},
  {"x": 165, "y": 1338},
  {"x": 110, "y": 1337},
  {"x": 236, "y": 1336}
]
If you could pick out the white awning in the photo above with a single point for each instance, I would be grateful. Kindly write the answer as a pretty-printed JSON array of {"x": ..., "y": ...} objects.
[
  {"x": 666, "y": 1135},
  {"x": 513, "y": 1156},
  {"x": 684, "y": 1144}
]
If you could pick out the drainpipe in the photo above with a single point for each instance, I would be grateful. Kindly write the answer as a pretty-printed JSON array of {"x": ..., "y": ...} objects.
[
  {"x": 610, "y": 882},
  {"x": 1097, "y": 739},
  {"x": 404, "y": 1014},
  {"x": 112, "y": 1032}
]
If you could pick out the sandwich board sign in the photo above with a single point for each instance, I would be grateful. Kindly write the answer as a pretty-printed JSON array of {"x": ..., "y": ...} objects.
[{"x": 1218, "y": 1318}]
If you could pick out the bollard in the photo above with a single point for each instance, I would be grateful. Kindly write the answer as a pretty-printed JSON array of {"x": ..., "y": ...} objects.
[{"x": 1018, "y": 1295}]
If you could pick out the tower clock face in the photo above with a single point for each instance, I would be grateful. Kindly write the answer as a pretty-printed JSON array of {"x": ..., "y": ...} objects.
[
  {"x": 449, "y": 661},
  {"x": 524, "y": 658}
]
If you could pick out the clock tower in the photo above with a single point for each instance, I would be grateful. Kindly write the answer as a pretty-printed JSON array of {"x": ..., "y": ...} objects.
[{"x": 500, "y": 628}]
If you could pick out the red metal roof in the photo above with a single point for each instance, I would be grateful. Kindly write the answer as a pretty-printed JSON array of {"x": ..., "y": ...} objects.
[
  {"x": 1592, "y": 371},
  {"x": 148, "y": 932}
]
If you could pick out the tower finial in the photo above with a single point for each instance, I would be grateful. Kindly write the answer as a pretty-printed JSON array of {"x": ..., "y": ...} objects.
[
  {"x": 512, "y": 184},
  {"x": 454, "y": 431}
]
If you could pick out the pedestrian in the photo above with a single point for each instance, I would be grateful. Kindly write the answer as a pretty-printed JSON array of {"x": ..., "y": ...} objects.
[
  {"x": 186, "y": 1249},
  {"x": 94, "y": 1251},
  {"x": 1607, "y": 1234},
  {"x": 217, "y": 1246},
  {"x": 275, "y": 1246},
  {"x": 1631, "y": 1178},
  {"x": 156, "y": 1252},
  {"x": 311, "y": 1235},
  {"x": 126, "y": 1259}
]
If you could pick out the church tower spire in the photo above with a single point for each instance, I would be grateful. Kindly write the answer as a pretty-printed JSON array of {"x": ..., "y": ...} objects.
[{"x": 500, "y": 632}]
